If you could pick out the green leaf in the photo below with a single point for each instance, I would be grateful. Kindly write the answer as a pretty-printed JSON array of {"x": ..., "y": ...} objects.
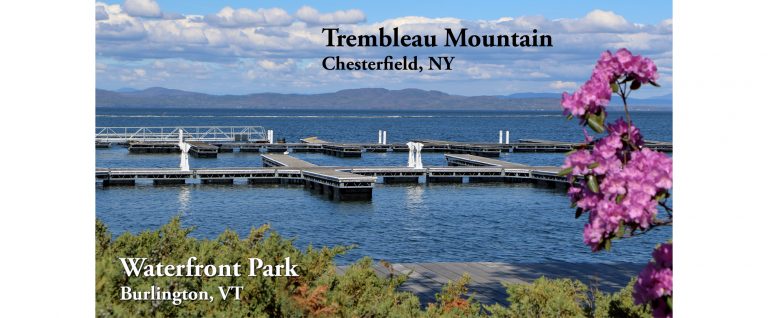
[
  {"x": 615, "y": 87},
  {"x": 594, "y": 165},
  {"x": 607, "y": 245},
  {"x": 594, "y": 123},
  {"x": 592, "y": 183},
  {"x": 569, "y": 117},
  {"x": 657, "y": 85},
  {"x": 579, "y": 211},
  {"x": 620, "y": 231},
  {"x": 619, "y": 198},
  {"x": 669, "y": 302},
  {"x": 635, "y": 85},
  {"x": 565, "y": 171}
]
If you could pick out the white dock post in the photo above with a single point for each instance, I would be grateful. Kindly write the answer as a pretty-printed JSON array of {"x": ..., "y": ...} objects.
[
  {"x": 507, "y": 138},
  {"x": 501, "y": 136},
  {"x": 384, "y": 137},
  {"x": 379, "y": 136},
  {"x": 411, "y": 155},
  {"x": 184, "y": 147},
  {"x": 270, "y": 136},
  {"x": 417, "y": 158}
]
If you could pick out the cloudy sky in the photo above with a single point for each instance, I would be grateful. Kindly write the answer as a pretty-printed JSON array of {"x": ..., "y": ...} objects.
[{"x": 240, "y": 47}]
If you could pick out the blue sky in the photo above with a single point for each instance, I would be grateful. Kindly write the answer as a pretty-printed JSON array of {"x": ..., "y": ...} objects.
[
  {"x": 647, "y": 11},
  {"x": 239, "y": 47}
]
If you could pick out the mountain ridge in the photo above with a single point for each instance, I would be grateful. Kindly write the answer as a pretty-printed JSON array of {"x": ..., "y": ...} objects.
[{"x": 358, "y": 98}]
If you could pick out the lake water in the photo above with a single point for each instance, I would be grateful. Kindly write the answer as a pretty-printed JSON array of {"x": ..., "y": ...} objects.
[{"x": 403, "y": 223}]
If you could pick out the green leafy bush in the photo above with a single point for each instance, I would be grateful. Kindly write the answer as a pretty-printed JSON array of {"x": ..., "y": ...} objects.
[
  {"x": 619, "y": 304},
  {"x": 318, "y": 291},
  {"x": 545, "y": 298}
]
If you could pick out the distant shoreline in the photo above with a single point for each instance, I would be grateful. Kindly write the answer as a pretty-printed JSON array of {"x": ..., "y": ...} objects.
[
  {"x": 638, "y": 108},
  {"x": 350, "y": 99}
]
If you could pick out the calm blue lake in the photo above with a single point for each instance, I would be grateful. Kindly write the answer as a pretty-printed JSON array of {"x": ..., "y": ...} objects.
[{"x": 403, "y": 223}]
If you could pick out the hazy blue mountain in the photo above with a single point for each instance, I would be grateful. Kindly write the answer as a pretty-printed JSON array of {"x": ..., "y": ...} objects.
[{"x": 362, "y": 98}]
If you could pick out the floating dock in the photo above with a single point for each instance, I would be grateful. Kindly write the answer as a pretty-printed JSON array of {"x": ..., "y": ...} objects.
[
  {"x": 425, "y": 280},
  {"x": 209, "y": 149},
  {"x": 343, "y": 183}
]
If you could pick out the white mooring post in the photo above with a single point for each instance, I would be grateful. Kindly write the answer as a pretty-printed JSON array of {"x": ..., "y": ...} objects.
[
  {"x": 417, "y": 158},
  {"x": 379, "y": 137},
  {"x": 270, "y": 136},
  {"x": 414, "y": 155},
  {"x": 507, "y": 138},
  {"x": 411, "y": 155},
  {"x": 501, "y": 136},
  {"x": 184, "y": 147},
  {"x": 384, "y": 137}
]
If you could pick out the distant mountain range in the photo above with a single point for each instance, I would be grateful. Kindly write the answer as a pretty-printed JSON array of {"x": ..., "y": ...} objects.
[{"x": 362, "y": 98}]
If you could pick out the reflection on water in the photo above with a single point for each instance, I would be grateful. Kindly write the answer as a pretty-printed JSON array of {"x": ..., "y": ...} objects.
[
  {"x": 184, "y": 196},
  {"x": 414, "y": 196}
]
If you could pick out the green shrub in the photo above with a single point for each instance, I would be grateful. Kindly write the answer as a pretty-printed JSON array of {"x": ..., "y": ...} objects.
[
  {"x": 545, "y": 298},
  {"x": 318, "y": 291},
  {"x": 619, "y": 304}
]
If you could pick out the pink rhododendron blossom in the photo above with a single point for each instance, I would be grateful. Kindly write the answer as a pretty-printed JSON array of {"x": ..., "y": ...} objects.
[
  {"x": 594, "y": 95},
  {"x": 654, "y": 283},
  {"x": 619, "y": 182}
]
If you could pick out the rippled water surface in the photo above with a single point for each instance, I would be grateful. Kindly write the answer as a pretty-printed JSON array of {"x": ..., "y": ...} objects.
[{"x": 403, "y": 223}]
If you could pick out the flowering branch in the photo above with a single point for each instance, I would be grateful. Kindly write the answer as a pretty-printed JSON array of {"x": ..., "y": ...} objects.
[{"x": 618, "y": 182}]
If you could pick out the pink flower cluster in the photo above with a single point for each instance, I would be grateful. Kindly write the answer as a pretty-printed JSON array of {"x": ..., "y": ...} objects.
[
  {"x": 594, "y": 95},
  {"x": 654, "y": 283},
  {"x": 628, "y": 182}
]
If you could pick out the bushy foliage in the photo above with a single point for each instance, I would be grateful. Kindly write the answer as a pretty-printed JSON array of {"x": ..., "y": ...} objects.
[
  {"x": 620, "y": 304},
  {"x": 319, "y": 291},
  {"x": 546, "y": 298}
]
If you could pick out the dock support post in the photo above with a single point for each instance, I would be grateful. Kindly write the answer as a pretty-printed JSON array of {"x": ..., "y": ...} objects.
[
  {"x": 118, "y": 182},
  {"x": 168, "y": 181},
  {"x": 507, "y": 139},
  {"x": 379, "y": 137},
  {"x": 384, "y": 137},
  {"x": 392, "y": 180},
  {"x": 271, "y": 136},
  {"x": 500, "y": 136},
  {"x": 217, "y": 181}
]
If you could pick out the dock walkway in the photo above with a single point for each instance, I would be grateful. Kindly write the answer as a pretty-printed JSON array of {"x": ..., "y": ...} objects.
[
  {"x": 343, "y": 183},
  {"x": 487, "y": 278}
]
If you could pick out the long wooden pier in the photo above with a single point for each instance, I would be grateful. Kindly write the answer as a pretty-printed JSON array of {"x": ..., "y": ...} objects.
[
  {"x": 342, "y": 183},
  {"x": 425, "y": 280}
]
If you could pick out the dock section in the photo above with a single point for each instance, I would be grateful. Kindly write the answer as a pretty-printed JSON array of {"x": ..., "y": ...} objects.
[
  {"x": 343, "y": 183},
  {"x": 488, "y": 278}
]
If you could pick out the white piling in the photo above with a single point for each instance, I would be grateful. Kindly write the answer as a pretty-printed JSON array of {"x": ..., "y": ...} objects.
[
  {"x": 507, "y": 138},
  {"x": 501, "y": 136},
  {"x": 384, "y": 137},
  {"x": 411, "y": 155},
  {"x": 379, "y": 136},
  {"x": 417, "y": 156},
  {"x": 184, "y": 147},
  {"x": 270, "y": 136}
]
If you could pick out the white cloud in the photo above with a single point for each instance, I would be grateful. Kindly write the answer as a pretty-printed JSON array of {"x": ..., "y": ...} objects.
[
  {"x": 312, "y": 16},
  {"x": 598, "y": 21},
  {"x": 560, "y": 85},
  {"x": 101, "y": 13},
  {"x": 142, "y": 8},
  {"x": 275, "y": 51},
  {"x": 231, "y": 18}
]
